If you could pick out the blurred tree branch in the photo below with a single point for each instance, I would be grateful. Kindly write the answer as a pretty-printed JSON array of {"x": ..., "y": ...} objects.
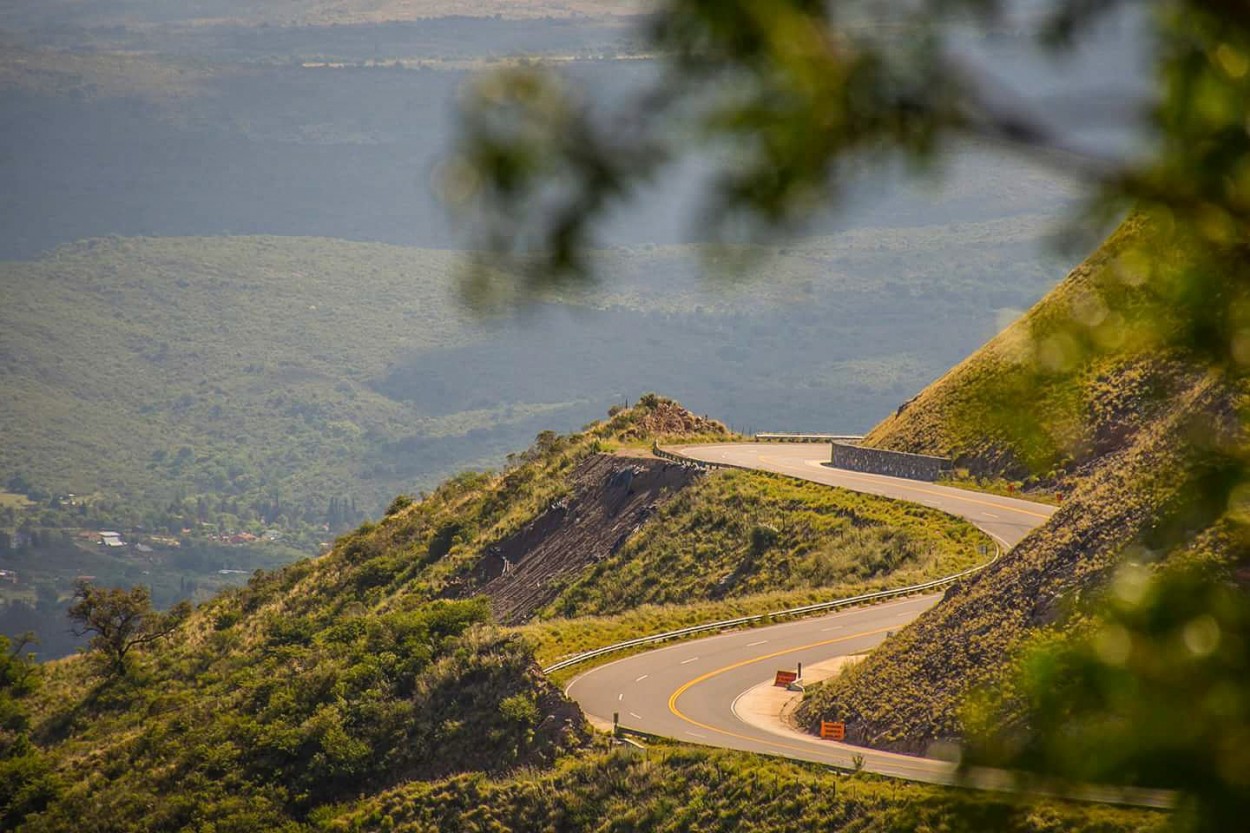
[{"x": 790, "y": 93}]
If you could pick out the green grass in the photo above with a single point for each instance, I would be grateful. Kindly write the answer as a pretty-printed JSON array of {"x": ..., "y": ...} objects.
[
  {"x": 738, "y": 534},
  {"x": 10, "y": 500},
  {"x": 963, "y": 479},
  {"x": 1118, "y": 452},
  {"x": 680, "y": 788},
  {"x": 555, "y": 639}
]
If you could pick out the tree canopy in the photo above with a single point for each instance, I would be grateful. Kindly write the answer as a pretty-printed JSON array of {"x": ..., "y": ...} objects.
[{"x": 120, "y": 620}]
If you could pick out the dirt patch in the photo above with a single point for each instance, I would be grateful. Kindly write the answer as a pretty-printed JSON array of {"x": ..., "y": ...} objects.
[{"x": 612, "y": 497}]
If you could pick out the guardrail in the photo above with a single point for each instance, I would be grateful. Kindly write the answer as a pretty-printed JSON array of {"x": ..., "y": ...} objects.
[
  {"x": 665, "y": 454},
  {"x": 818, "y": 607},
  {"x": 808, "y": 438}
]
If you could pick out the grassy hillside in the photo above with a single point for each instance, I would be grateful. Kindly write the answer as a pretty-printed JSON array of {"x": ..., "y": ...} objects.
[
  {"x": 741, "y": 533},
  {"x": 347, "y": 693},
  {"x": 263, "y": 370},
  {"x": 691, "y": 788},
  {"x": 1119, "y": 436}
]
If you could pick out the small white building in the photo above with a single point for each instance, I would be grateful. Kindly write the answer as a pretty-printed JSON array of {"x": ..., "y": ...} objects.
[{"x": 111, "y": 539}]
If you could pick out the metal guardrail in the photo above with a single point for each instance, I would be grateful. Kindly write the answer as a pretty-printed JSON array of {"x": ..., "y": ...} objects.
[
  {"x": 665, "y": 454},
  {"x": 818, "y": 607},
  {"x": 781, "y": 437}
]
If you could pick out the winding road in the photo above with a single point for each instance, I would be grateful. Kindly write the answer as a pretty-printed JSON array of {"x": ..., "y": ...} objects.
[{"x": 692, "y": 691}]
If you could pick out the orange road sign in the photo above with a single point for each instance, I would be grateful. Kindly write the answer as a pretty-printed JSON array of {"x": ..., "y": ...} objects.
[
  {"x": 784, "y": 678},
  {"x": 832, "y": 730}
]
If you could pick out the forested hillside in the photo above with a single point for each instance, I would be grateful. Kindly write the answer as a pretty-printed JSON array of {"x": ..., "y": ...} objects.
[
  {"x": 232, "y": 325},
  {"x": 237, "y": 380}
]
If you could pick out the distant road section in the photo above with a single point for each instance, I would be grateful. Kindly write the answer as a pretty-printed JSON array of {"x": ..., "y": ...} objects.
[
  {"x": 1005, "y": 519},
  {"x": 689, "y": 691}
]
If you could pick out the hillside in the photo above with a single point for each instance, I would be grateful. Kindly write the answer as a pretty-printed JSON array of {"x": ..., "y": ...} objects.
[
  {"x": 1122, "y": 438},
  {"x": 270, "y": 375},
  {"x": 346, "y": 693}
]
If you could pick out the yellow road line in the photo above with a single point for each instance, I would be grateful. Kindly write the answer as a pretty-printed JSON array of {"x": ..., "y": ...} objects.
[{"x": 672, "y": 700}]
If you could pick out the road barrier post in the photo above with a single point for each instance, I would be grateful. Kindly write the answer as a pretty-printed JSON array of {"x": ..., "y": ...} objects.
[{"x": 616, "y": 724}]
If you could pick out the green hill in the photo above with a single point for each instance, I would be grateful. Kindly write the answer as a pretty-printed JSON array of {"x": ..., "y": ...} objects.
[
  {"x": 270, "y": 375},
  {"x": 369, "y": 690},
  {"x": 1118, "y": 437}
]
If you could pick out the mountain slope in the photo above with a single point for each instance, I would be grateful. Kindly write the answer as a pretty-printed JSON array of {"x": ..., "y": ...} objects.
[
  {"x": 343, "y": 693},
  {"x": 1119, "y": 436},
  {"x": 379, "y": 663},
  {"x": 253, "y": 370}
]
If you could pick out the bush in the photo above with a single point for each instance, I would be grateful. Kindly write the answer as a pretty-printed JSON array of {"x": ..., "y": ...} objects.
[{"x": 399, "y": 504}]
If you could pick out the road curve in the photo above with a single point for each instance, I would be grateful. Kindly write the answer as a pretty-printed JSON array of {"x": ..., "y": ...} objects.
[{"x": 689, "y": 691}]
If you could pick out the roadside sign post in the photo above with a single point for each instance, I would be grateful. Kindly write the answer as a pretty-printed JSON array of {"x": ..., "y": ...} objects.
[
  {"x": 784, "y": 678},
  {"x": 832, "y": 730}
]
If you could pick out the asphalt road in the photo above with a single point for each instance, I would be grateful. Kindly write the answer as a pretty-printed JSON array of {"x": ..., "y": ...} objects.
[
  {"x": 689, "y": 691},
  {"x": 1005, "y": 519}
]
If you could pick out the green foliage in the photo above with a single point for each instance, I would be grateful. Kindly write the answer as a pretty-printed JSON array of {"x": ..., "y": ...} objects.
[
  {"x": 682, "y": 788},
  {"x": 233, "y": 731},
  {"x": 1153, "y": 694},
  {"x": 738, "y": 534},
  {"x": 400, "y": 503},
  {"x": 27, "y": 783},
  {"x": 119, "y": 621}
]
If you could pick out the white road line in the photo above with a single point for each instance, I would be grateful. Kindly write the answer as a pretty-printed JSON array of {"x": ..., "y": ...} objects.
[
  {"x": 834, "y": 628},
  {"x": 635, "y": 716},
  {"x": 761, "y": 642},
  {"x": 620, "y": 697},
  {"x": 695, "y": 734},
  {"x": 990, "y": 515},
  {"x": 640, "y": 679},
  {"x": 684, "y": 661}
]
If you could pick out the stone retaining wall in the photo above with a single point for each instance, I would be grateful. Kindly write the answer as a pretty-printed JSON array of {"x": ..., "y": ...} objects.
[{"x": 892, "y": 463}]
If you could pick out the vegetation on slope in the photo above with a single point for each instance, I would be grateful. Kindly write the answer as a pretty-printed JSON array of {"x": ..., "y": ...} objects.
[
  {"x": 1080, "y": 411},
  {"x": 353, "y": 673},
  {"x": 232, "y": 387},
  {"x": 682, "y": 788},
  {"x": 1125, "y": 447},
  {"x": 741, "y": 533}
]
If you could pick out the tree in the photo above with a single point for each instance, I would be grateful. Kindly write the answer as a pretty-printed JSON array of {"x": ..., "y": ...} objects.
[
  {"x": 120, "y": 620},
  {"x": 788, "y": 92}
]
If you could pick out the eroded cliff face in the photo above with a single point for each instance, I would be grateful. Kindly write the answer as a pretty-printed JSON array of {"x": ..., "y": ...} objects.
[{"x": 611, "y": 498}]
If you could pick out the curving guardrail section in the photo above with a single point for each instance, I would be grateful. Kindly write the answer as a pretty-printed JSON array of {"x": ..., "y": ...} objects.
[{"x": 819, "y": 607}]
